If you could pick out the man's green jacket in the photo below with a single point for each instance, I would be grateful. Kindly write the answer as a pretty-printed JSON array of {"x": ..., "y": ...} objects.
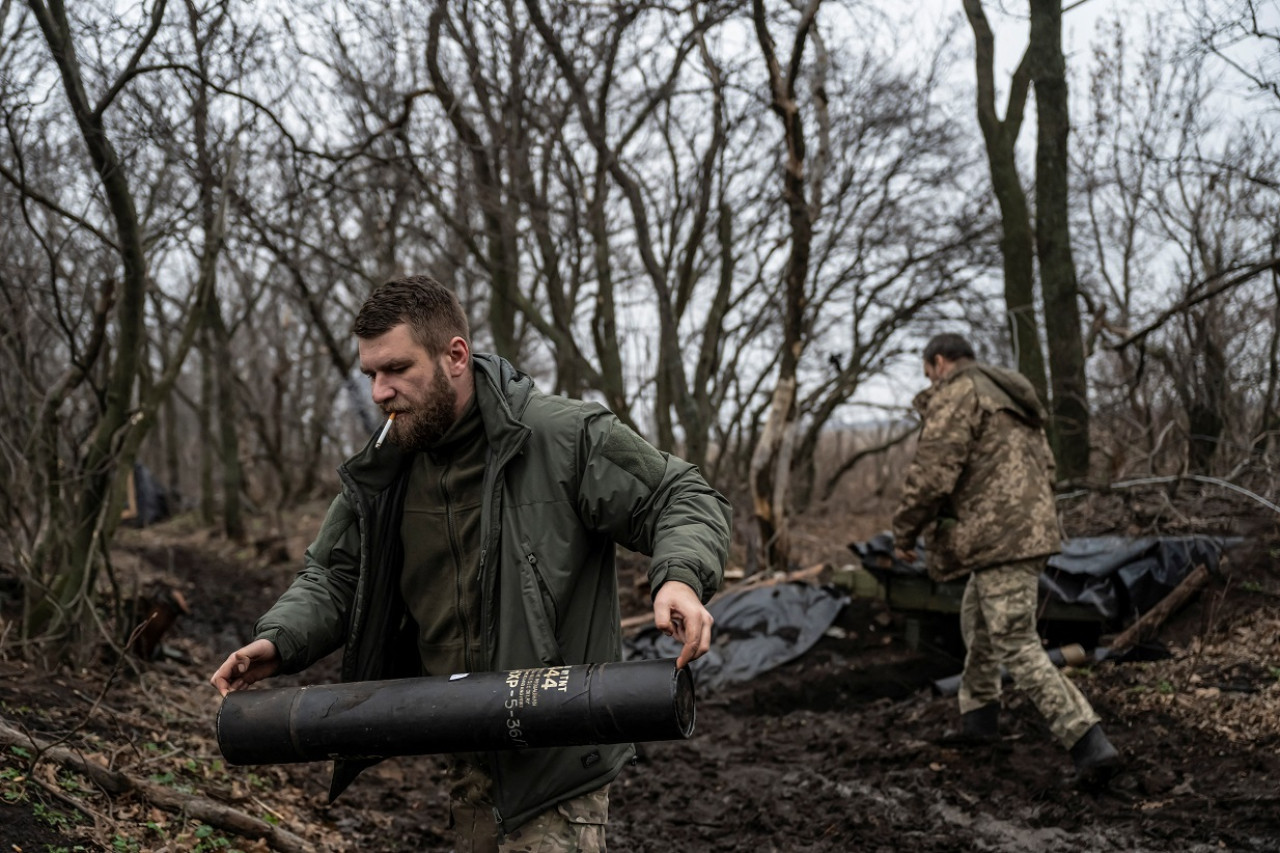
[{"x": 565, "y": 481}]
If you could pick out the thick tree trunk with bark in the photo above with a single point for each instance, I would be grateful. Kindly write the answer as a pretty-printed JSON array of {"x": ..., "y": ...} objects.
[{"x": 1069, "y": 405}]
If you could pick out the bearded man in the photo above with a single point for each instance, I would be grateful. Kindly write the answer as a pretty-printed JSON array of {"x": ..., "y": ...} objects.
[{"x": 481, "y": 537}]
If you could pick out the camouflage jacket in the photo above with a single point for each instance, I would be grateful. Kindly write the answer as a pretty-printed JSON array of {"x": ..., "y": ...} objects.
[{"x": 980, "y": 487}]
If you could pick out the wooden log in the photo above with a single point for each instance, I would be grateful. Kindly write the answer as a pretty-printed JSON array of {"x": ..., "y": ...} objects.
[
  {"x": 115, "y": 783},
  {"x": 1149, "y": 623},
  {"x": 644, "y": 620}
]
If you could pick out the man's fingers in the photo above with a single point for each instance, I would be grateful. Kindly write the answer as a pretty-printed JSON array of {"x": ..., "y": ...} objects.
[
  {"x": 245, "y": 666},
  {"x": 231, "y": 675},
  {"x": 691, "y": 636},
  {"x": 697, "y": 641},
  {"x": 678, "y": 613},
  {"x": 687, "y": 653}
]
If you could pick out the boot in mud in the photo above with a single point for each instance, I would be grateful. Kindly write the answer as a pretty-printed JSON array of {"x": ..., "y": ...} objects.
[
  {"x": 1095, "y": 759},
  {"x": 979, "y": 727}
]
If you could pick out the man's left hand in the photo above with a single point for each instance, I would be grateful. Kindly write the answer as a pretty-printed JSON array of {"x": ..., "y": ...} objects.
[{"x": 678, "y": 612}]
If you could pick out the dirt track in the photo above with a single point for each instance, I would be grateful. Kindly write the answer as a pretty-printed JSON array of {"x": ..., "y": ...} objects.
[{"x": 833, "y": 752}]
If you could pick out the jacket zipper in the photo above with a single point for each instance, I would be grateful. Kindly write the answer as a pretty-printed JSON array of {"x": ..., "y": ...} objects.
[
  {"x": 355, "y": 624},
  {"x": 459, "y": 592}
]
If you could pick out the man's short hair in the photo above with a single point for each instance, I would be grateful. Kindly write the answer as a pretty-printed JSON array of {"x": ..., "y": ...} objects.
[
  {"x": 431, "y": 310},
  {"x": 949, "y": 345}
]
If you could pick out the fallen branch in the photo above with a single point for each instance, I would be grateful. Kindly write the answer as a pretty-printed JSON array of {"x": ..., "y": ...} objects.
[
  {"x": 774, "y": 580},
  {"x": 1149, "y": 623},
  {"x": 200, "y": 808},
  {"x": 1154, "y": 481},
  {"x": 644, "y": 620}
]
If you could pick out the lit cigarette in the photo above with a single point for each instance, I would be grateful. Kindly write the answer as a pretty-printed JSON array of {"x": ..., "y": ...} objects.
[{"x": 386, "y": 429}]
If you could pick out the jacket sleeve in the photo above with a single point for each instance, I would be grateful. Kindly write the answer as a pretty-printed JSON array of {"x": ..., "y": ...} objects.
[
  {"x": 653, "y": 503},
  {"x": 310, "y": 619},
  {"x": 951, "y": 421}
]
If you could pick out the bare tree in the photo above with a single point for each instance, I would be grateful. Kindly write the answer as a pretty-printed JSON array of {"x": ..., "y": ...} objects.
[
  {"x": 1181, "y": 213},
  {"x": 903, "y": 241},
  {"x": 74, "y": 553},
  {"x": 670, "y": 251},
  {"x": 1244, "y": 35},
  {"x": 771, "y": 460},
  {"x": 1017, "y": 242},
  {"x": 1069, "y": 404}
]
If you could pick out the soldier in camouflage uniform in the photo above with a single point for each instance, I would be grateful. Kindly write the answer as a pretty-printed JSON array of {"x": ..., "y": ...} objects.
[{"x": 980, "y": 489}]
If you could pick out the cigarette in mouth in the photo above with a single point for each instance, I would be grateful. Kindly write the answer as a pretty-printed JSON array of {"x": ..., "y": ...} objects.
[{"x": 386, "y": 429}]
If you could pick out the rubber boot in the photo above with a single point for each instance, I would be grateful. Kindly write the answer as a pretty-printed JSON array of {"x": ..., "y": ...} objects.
[
  {"x": 978, "y": 727},
  {"x": 1096, "y": 760}
]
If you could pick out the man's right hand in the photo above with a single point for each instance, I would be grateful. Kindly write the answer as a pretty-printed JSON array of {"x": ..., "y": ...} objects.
[{"x": 254, "y": 662}]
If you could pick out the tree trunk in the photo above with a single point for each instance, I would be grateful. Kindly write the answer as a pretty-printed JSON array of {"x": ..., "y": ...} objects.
[
  {"x": 212, "y": 219},
  {"x": 1265, "y": 435},
  {"x": 172, "y": 458},
  {"x": 1208, "y": 396},
  {"x": 604, "y": 316},
  {"x": 490, "y": 194},
  {"x": 768, "y": 478},
  {"x": 1017, "y": 242},
  {"x": 208, "y": 503},
  {"x": 770, "y": 462},
  {"x": 228, "y": 438},
  {"x": 1069, "y": 406}
]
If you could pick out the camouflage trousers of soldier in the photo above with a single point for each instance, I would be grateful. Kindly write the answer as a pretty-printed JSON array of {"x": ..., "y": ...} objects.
[
  {"x": 998, "y": 621},
  {"x": 573, "y": 826}
]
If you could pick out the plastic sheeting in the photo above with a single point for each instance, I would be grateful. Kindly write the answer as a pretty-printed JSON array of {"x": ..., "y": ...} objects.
[
  {"x": 755, "y": 630},
  {"x": 1120, "y": 577}
]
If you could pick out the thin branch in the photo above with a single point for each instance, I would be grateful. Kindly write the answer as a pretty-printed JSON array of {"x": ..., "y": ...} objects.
[
  {"x": 857, "y": 457},
  {"x": 1196, "y": 298},
  {"x": 49, "y": 204},
  {"x": 132, "y": 70}
]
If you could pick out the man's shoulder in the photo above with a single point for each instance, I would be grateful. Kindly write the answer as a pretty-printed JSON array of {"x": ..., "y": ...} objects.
[
  {"x": 557, "y": 407},
  {"x": 958, "y": 387},
  {"x": 559, "y": 420}
]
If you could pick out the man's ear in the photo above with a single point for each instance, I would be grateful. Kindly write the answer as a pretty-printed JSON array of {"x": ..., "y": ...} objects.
[{"x": 459, "y": 353}]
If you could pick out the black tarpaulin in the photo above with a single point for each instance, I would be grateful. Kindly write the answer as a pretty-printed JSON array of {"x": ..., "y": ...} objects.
[
  {"x": 755, "y": 630},
  {"x": 1121, "y": 577}
]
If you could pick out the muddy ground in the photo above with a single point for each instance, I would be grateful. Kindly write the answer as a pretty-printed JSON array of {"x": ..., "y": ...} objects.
[{"x": 835, "y": 751}]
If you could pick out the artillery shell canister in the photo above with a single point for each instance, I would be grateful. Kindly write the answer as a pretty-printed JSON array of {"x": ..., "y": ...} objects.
[{"x": 596, "y": 703}]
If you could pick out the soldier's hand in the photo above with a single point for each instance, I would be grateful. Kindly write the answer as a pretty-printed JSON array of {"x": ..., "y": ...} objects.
[
  {"x": 678, "y": 612},
  {"x": 904, "y": 555},
  {"x": 254, "y": 662}
]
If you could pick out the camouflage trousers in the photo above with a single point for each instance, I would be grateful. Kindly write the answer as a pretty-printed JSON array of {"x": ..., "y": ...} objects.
[
  {"x": 998, "y": 621},
  {"x": 573, "y": 826}
]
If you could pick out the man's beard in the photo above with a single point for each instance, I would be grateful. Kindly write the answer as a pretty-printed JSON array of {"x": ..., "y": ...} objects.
[{"x": 427, "y": 423}]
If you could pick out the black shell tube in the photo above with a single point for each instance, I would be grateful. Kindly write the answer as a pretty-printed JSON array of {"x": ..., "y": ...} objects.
[{"x": 596, "y": 703}]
